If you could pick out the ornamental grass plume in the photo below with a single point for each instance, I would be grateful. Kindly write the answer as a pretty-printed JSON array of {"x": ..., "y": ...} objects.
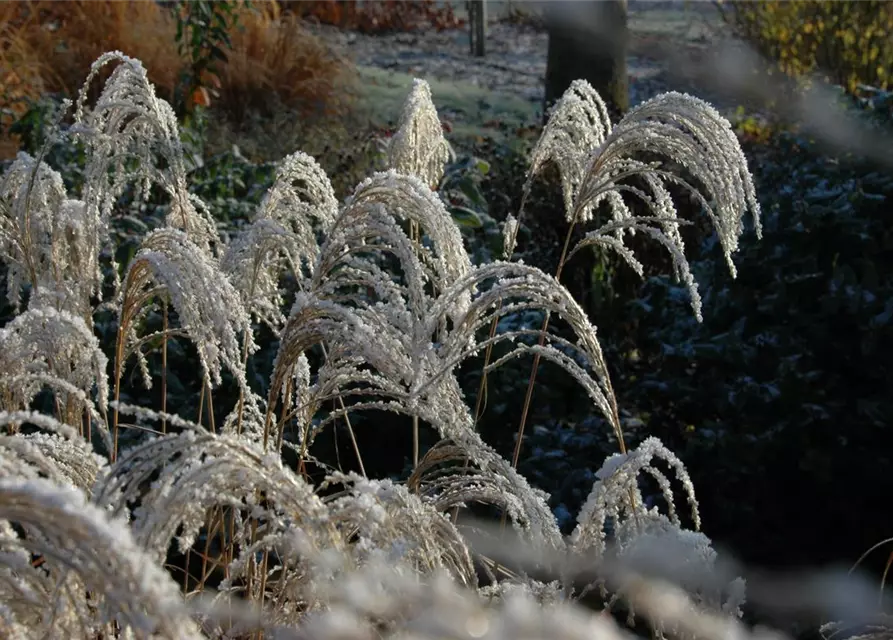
[
  {"x": 301, "y": 194},
  {"x": 211, "y": 312},
  {"x": 210, "y": 309},
  {"x": 254, "y": 263},
  {"x": 100, "y": 581},
  {"x": 616, "y": 495},
  {"x": 385, "y": 516},
  {"x": 61, "y": 455},
  {"x": 578, "y": 123},
  {"x": 407, "y": 198},
  {"x": 418, "y": 148},
  {"x": 198, "y": 471},
  {"x": 641, "y": 158},
  {"x": 283, "y": 235},
  {"x": 693, "y": 134},
  {"x": 45, "y": 240},
  {"x": 133, "y": 139},
  {"x": 47, "y": 349},
  {"x": 32, "y": 194}
]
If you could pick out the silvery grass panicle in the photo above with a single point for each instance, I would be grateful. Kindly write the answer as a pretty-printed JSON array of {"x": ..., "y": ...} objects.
[
  {"x": 393, "y": 363},
  {"x": 47, "y": 349},
  {"x": 382, "y": 352},
  {"x": 133, "y": 139},
  {"x": 45, "y": 240},
  {"x": 617, "y": 523},
  {"x": 62, "y": 460},
  {"x": 97, "y": 580},
  {"x": 301, "y": 195},
  {"x": 578, "y": 123},
  {"x": 380, "y": 334},
  {"x": 388, "y": 518},
  {"x": 254, "y": 262},
  {"x": 32, "y": 193},
  {"x": 616, "y": 496},
  {"x": 447, "y": 481},
  {"x": 358, "y": 308},
  {"x": 391, "y": 198},
  {"x": 197, "y": 470},
  {"x": 210, "y": 309},
  {"x": 299, "y": 206},
  {"x": 419, "y": 148},
  {"x": 600, "y": 164}
]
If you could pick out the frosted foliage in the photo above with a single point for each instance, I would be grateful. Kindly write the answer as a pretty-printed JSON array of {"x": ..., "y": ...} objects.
[
  {"x": 413, "y": 372},
  {"x": 387, "y": 308},
  {"x": 654, "y": 540},
  {"x": 600, "y": 165},
  {"x": 419, "y": 148},
  {"x": 578, "y": 123},
  {"x": 209, "y": 307},
  {"x": 133, "y": 139},
  {"x": 45, "y": 239},
  {"x": 254, "y": 262},
  {"x": 689, "y": 132},
  {"x": 616, "y": 497},
  {"x": 377, "y": 360},
  {"x": 489, "y": 480},
  {"x": 299, "y": 207},
  {"x": 408, "y": 198},
  {"x": 383, "y": 599},
  {"x": 201, "y": 470},
  {"x": 189, "y": 214},
  {"x": 65, "y": 461},
  {"x": 300, "y": 194},
  {"x": 388, "y": 518},
  {"x": 126, "y": 586},
  {"x": 48, "y": 348},
  {"x": 283, "y": 235}
]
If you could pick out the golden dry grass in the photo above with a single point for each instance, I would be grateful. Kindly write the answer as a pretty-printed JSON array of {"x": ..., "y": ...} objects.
[
  {"x": 68, "y": 36},
  {"x": 46, "y": 46},
  {"x": 274, "y": 56}
]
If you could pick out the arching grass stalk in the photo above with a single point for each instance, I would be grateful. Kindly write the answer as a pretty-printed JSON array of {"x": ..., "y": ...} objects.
[
  {"x": 164, "y": 366},
  {"x": 306, "y": 436},
  {"x": 528, "y": 396}
]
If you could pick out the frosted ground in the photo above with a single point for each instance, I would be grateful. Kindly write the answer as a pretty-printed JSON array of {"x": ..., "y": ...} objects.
[{"x": 507, "y": 85}]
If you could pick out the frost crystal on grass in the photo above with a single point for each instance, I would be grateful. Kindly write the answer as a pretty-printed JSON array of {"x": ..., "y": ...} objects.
[
  {"x": 101, "y": 552},
  {"x": 418, "y": 148},
  {"x": 209, "y": 307},
  {"x": 510, "y": 236},
  {"x": 47, "y": 240},
  {"x": 578, "y": 123},
  {"x": 672, "y": 140},
  {"x": 44, "y": 348}
]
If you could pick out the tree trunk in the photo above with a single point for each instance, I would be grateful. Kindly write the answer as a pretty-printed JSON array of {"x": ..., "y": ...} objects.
[
  {"x": 477, "y": 26},
  {"x": 588, "y": 41}
]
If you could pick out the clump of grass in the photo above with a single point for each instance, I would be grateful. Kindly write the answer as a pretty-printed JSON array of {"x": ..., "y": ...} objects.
[
  {"x": 275, "y": 65},
  {"x": 388, "y": 306},
  {"x": 66, "y": 37}
]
